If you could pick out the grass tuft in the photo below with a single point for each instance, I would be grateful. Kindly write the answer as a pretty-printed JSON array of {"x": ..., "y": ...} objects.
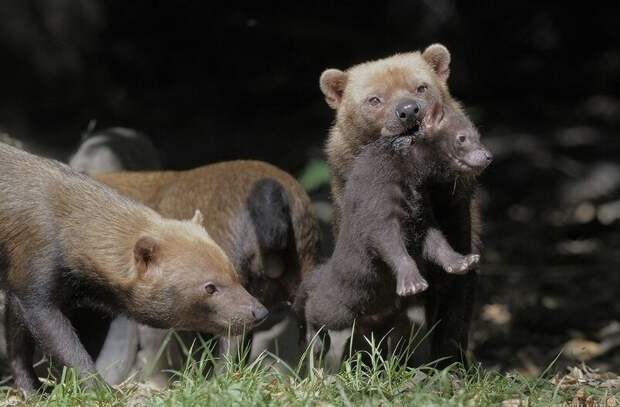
[{"x": 366, "y": 379}]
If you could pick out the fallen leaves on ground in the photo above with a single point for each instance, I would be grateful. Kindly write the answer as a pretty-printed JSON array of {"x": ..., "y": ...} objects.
[{"x": 584, "y": 375}]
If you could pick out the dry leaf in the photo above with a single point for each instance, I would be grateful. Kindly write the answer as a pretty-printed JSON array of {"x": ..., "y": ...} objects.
[
  {"x": 496, "y": 313},
  {"x": 582, "y": 350},
  {"x": 585, "y": 375},
  {"x": 611, "y": 384}
]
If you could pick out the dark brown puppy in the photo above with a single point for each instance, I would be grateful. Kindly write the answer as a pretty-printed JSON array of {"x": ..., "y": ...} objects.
[
  {"x": 67, "y": 241},
  {"x": 386, "y": 215},
  {"x": 257, "y": 213},
  {"x": 392, "y": 96}
]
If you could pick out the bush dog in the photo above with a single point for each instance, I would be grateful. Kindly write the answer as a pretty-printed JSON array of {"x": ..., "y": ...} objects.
[
  {"x": 394, "y": 96},
  {"x": 257, "y": 213},
  {"x": 387, "y": 216},
  {"x": 67, "y": 241}
]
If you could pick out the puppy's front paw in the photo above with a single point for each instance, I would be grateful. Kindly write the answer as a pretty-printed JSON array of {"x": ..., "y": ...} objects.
[
  {"x": 402, "y": 143},
  {"x": 410, "y": 285},
  {"x": 463, "y": 264}
]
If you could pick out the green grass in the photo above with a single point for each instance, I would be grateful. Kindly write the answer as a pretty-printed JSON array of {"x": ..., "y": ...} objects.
[{"x": 371, "y": 383}]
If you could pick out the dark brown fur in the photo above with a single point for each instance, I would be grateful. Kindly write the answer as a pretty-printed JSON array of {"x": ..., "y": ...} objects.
[
  {"x": 449, "y": 300},
  {"x": 387, "y": 216},
  {"x": 68, "y": 241}
]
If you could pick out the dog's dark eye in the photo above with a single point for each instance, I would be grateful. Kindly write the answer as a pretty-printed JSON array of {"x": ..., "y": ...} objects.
[
  {"x": 210, "y": 288},
  {"x": 462, "y": 138},
  {"x": 374, "y": 101},
  {"x": 422, "y": 88}
]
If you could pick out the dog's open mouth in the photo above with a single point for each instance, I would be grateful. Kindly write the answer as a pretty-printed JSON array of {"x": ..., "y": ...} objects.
[{"x": 414, "y": 130}]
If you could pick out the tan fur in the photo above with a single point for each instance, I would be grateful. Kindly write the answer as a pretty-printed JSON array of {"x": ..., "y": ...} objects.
[{"x": 219, "y": 191}]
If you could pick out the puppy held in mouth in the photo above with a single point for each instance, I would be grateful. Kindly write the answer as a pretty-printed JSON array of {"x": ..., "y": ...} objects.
[{"x": 388, "y": 216}]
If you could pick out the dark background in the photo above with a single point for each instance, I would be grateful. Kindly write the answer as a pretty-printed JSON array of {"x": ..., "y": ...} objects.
[{"x": 209, "y": 83}]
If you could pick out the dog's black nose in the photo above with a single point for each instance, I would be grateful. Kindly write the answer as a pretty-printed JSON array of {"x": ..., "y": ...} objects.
[{"x": 407, "y": 111}]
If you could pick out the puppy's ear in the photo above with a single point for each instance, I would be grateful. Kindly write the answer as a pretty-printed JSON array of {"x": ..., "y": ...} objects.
[
  {"x": 198, "y": 219},
  {"x": 438, "y": 57},
  {"x": 332, "y": 83},
  {"x": 145, "y": 253}
]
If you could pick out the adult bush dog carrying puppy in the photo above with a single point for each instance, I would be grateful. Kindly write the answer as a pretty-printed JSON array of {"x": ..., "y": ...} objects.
[
  {"x": 67, "y": 241},
  {"x": 395, "y": 96}
]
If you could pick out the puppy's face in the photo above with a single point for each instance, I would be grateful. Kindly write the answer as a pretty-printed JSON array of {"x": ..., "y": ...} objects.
[{"x": 458, "y": 143}]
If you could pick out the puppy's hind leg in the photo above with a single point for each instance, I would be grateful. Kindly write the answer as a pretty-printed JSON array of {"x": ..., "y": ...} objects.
[{"x": 389, "y": 244}]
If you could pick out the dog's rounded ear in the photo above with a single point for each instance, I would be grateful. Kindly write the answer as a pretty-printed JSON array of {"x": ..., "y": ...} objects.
[
  {"x": 332, "y": 83},
  {"x": 438, "y": 57},
  {"x": 145, "y": 253}
]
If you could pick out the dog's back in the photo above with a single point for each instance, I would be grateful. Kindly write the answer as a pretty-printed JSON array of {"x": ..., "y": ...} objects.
[{"x": 115, "y": 149}]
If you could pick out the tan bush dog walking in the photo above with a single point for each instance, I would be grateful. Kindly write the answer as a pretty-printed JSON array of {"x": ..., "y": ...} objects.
[
  {"x": 67, "y": 241},
  {"x": 395, "y": 96},
  {"x": 257, "y": 213}
]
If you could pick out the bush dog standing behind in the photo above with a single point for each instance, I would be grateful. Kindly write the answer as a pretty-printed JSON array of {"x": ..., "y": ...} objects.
[
  {"x": 115, "y": 149},
  {"x": 262, "y": 219},
  {"x": 67, "y": 241},
  {"x": 390, "y": 97}
]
